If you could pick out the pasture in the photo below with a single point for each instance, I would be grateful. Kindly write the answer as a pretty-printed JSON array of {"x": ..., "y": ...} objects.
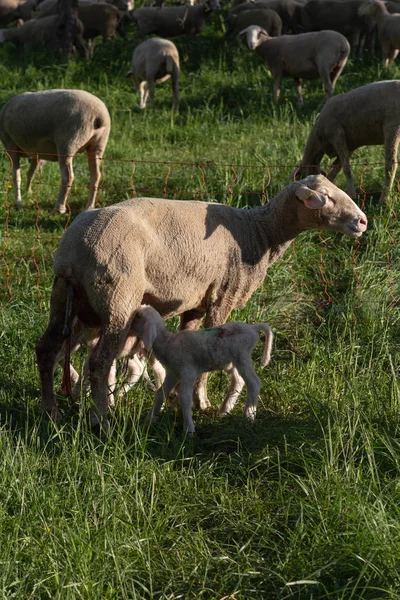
[{"x": 304, "y": 504}]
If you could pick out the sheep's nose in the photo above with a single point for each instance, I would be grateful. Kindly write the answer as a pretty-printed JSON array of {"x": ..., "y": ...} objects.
[{"x": 362, "y": 223}]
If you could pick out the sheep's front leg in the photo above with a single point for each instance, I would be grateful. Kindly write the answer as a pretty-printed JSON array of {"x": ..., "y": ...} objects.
[
  {"x": 392, "y": 139},
  {"x": 253, "y": 386},
  {"x": 235, "y": 388},
  {"x": 143, "y": 93},
  {"x": 67, "y": 178}
]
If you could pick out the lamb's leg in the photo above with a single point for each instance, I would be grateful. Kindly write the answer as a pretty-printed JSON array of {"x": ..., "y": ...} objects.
[
  {"x": 67, "y": 177},
  {"x": 169, "y": 383},
  {"x": 49, "y": 346},
  {"x": 185, "y": 401},
  {"x": 158, "y": 370},
  {"x": 236, "y": 386},
  {"x": 192, "y": 320},
  {"x": 392, "y": 139},
  {"x": 95, "y": 176},
  {"x": 253, "y": 386}
]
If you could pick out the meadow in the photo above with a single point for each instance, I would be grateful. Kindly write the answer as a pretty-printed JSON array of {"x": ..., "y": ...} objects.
[{"x": 302, "y": 504}]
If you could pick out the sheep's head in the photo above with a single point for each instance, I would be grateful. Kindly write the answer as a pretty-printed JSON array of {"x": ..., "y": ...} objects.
[
  {"x": 324, "y": 205},
  {"x": 255, "y": 36}
]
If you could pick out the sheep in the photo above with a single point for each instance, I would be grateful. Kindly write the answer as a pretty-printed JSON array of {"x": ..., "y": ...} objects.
[
  {"x": 188, "y": 354},
  {"x": 267, "y": 19},
  {"x": 124, "y": 6},
  {"x": 174, "y": 20},
  {"x": 339, "y": 15},
  {"x": 153, "y": 61},
  {"x": 388, "y": 28},
  {"x": 55, "y": 125},
  {"x": 192, "y": 258},
  {"x": 45, "y": 32},
  {"x": 319, "y": 54},
  {"x": 12, "y": 10},
  {"x": 365, "y": 116},
  {"x": 289, "y": 11}
]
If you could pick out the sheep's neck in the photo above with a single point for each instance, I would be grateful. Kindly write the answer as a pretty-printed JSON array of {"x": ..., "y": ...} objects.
[{"x": 313, "y": 154}]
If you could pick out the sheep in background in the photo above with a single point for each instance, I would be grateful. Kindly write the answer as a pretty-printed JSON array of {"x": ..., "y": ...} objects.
[
  {"x": 188, "y": 354},
  {"x": 125, "y": 6},
  {"x": 55, "y": 125},
  {"x": 311, "y": 55},
  {"x": 192, "y": 258},
  {"x": 289, "y": 11},
  {"x": 366, "y": 116},
  {"x": 267, "y": 19},
  {"x": 388, "y": 28},
  {"x": 12, "y": 10},
  {"x": 45, "y": 32},
  {"x": 154, "y": 61},
  {"x": 174, "y": 20}
]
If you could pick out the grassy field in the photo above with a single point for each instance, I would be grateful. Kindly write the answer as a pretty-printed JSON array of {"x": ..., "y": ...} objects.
[{"x": 304, "y": 504}]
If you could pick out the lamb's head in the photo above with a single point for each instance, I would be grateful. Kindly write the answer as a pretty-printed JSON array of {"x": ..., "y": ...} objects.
[
  {"x": 255, "y": 36},
  {"x": 146, "y": 324},
  {"x": 323, "y": 205}
]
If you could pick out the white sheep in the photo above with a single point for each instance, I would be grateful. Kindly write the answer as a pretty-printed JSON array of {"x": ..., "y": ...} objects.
[
  {"x": 311, "y": 55},
  {"x": 154, "y": 61},
  {"x": 366, "y": 116},
  {"x": 189, "y": 258},
  {"x": 170, "y": 21},
  {"x": 188, "y": 354},
  {"x": 55, "y": 125},
  {"x": 388, "y": 28}
]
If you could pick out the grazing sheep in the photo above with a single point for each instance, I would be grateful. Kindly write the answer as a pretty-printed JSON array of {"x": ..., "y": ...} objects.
[
  {"x": 46, "y": 32},
  {"x": 267, "y": 19},
  {"x": 124, "y": 6},
  {"x": 188, "y": 354},
  {"x": 174, "y": 20},
  {"x": 196, "y": 259},
  {"x": 311, "y": 55},
  {"x": 366, "y": 116},
  {"x": 339, "y": 15},
  {"x": 55, "y": 125},
  {"x": 388, "y": 28},
  {"x": 154, "y": 61},
  {"x": 289, "y": 11}
]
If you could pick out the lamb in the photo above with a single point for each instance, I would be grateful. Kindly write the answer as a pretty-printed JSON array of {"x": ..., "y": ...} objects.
[
  {"x": 192, "y": 258},
  {"x": 388, "y": 28},
  {"x": 267, "y": 19},
  {"x": 45, "y": 32},
  {"x": 154, "y": 61},
  {"x": 365, "y": 116},
  {"x": 188, "y": 354},
  {"x": 319, "y": 54},
  {"x": 174, "y": 20},
  {"x": 54, "y": 125}
]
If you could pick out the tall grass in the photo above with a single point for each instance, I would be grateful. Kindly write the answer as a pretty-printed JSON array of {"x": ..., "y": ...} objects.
[{"x": 304, "y": 503}]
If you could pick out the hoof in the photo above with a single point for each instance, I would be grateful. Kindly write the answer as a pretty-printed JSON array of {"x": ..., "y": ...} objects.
[{"x": 58, "y": 210}]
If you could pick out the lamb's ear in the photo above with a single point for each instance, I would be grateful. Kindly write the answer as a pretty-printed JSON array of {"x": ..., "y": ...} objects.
[
  {"x": 311, "y": 198},
  {"x": 149, "y": 334}
]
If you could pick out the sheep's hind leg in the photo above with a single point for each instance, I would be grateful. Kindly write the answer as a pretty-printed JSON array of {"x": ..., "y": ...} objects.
[
  {"x": 67, "y": 178},
  {"x": 392, "y": 139},
  {"x": 49, "y": 346},
  {"x": 95, "y": 177},
  {"x": 16, "y": 175},
  {"x": 235, "y": 388}
]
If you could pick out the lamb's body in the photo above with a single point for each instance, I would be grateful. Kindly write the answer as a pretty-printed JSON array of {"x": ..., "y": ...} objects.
[
  {"x": 188, "y": 354},
  {"x": 320, "y": 54},
  {"x": 193, "y": 258},
  {"x": 55, "y": 125},
  {"x": 366, "y": 116},
  {"x": 154, "y": 61}
]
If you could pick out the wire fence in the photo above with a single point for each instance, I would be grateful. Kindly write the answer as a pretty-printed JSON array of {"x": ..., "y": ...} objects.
[{"x": 318, "y": 265}]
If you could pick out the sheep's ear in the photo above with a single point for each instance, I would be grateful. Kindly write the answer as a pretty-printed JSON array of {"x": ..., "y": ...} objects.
[
  {"x": 242, "y": 33},
  {"x": 311, "y": 198},
  {"x": 149, "y": 334}
]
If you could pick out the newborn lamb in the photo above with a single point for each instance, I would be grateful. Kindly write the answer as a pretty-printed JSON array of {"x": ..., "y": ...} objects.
[{"x": 188, "y": 354}]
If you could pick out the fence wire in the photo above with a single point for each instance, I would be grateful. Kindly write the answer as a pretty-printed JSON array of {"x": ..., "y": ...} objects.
[{"x": 319, "y": 268}]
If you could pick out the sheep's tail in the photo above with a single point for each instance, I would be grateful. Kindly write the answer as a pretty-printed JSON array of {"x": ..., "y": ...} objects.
[{"x": 269, "y": 336}]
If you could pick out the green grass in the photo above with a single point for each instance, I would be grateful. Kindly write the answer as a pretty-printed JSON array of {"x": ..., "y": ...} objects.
[{"x": 304, "y": 504}]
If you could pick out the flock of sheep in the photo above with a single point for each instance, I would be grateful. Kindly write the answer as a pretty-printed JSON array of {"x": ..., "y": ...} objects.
[{"x": 119, "y": 270}]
